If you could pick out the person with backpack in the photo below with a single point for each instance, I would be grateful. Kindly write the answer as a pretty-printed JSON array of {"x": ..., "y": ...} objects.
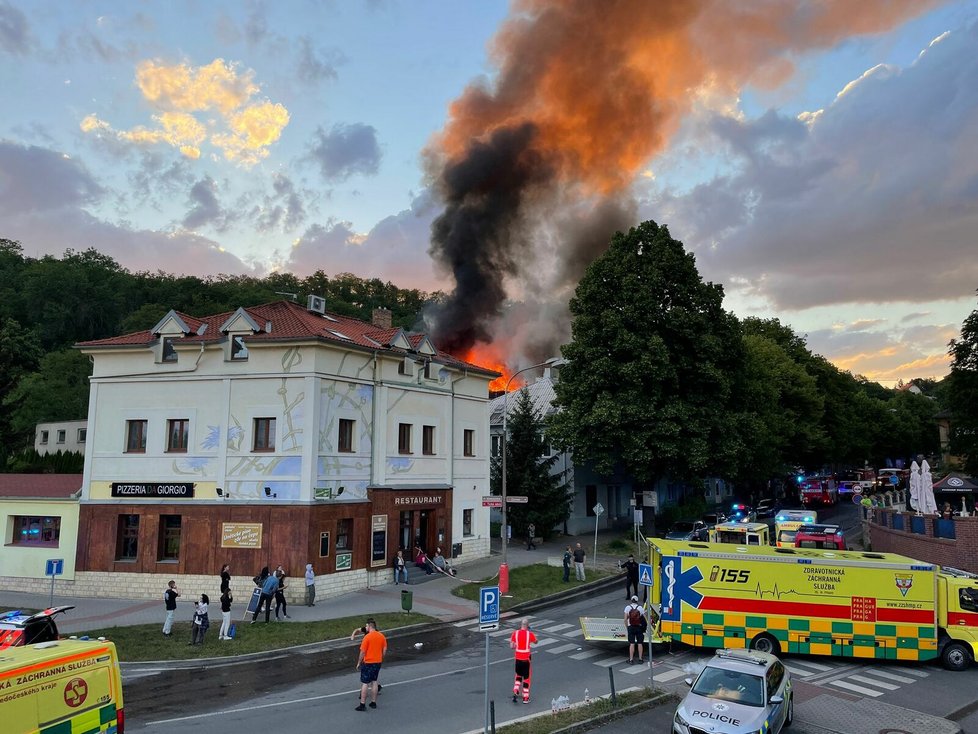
[{"x": 635, "y": 624}]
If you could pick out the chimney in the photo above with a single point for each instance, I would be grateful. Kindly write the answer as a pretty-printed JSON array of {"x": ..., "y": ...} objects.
[{"x": 382, "y": 318}]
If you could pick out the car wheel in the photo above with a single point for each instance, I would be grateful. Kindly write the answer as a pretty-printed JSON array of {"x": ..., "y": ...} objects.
[
  {"x": 766, "y": 643},
  {"x": 789, "y": 715},
  {"x": 955, "y": 656}
]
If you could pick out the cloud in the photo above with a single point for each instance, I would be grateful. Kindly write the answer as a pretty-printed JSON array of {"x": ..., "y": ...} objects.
[
  {"x": 283, "y": 208},
  {"x": 873, "y": 200},
  {"x": 864, "y": 324},
  {"x": 346, "y": 150},
  {"x": 206, "y": 209},
  {"x": 15, "y": 35},
  {"x": 914, "y": 316},
  {"x": 395, "y": 249},
  {"x": 188, "y": 98},
  {"x": 34, "y": 179},
  {"x": 316, "y": 65}
]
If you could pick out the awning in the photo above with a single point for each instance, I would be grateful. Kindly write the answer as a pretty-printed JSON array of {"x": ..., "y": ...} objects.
[{"x": 956, "y": 483}]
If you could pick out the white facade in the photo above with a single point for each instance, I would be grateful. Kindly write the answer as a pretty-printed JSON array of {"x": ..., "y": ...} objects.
[{"x": 64, "y": 436}]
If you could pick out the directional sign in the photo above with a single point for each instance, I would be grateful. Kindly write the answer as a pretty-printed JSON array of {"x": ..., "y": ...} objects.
[
  {"x": 492, "y": 501},
  {"x": 55, "y": 567},
  {"x": 857, "y": 498},
  {"x": 488, "y": 608},
  {"x": 645, "y": 574},
  {"x": 520, "y": 499}
]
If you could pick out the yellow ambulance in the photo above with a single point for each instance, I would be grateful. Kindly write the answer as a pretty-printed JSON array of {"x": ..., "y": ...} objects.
[
  {"x": 786, "y": 524},
  {"x": 820, "y": 602},
  {"x": 61, "y": 687},
  {"x": 741, "y": 533}
]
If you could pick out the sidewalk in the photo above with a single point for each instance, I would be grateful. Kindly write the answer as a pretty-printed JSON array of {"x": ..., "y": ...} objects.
[{"x": 433, "y": 598}]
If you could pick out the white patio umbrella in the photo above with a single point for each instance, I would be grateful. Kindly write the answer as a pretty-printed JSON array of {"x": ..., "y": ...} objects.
[
  {"x": 915, "y": 486},
  {"x": 928, "y": 505}
]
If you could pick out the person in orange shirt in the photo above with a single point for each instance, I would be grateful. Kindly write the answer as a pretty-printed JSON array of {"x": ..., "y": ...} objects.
[
  {"x": 520, "y": 641},
  {"x": 372, "y": 651}
]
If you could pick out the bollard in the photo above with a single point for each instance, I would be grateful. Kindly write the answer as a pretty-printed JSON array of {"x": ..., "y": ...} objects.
[
  {"x": 614, "y": 697},
  {"x": 503, "y": 578},
  {"x": 492, "y": 717}
]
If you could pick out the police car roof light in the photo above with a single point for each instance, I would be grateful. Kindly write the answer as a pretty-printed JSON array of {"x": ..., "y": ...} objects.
[{"x": 741, "y": 656}]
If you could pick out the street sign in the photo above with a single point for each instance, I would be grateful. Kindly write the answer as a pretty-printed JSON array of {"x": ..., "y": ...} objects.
[
  {"x": 645, "y": 574},
  {"x": 55, "y": 567},
  {"x": 598, "y": 509},
  {"x": 520, "y": 499},
  {"x": 492, "y": 501},
  {"x": 650, "y": 499},
  {"x": 857, "y": 498},
  {"x": 488, "y": 608}
]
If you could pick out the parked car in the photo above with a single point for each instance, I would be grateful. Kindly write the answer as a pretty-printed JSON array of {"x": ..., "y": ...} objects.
[
  {"x": 739, "y": 512},
  {"x": 737, "y": 691},
  {"x": 688, "y": 530},
  {"x": 712, "y": 519},
  {"x": 767, "y": 509},
  {"x": 18, "y": 628}
]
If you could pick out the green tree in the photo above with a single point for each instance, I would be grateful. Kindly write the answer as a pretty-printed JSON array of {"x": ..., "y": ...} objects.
[
  {"x": 57, "y": 391},
  {"x": 20, "y": 355},
  {"x": 962, "y": 393},
  {"x": 652, "y": 364},
  {"x": 530, "y": 472}
]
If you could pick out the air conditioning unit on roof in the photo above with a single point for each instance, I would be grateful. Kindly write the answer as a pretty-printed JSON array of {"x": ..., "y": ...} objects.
[{"x": 316, "y": 304}]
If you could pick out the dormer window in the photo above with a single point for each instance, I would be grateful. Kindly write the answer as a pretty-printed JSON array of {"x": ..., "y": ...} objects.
[
  {"x": 169, "y": 351},
  {"x": 238, "y": 348}
]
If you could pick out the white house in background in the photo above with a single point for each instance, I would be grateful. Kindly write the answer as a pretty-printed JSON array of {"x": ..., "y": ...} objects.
[
  {"x": 278, "y": 434},
  {"x": 64, "y": 436},
  {"x": 617, "y": 493}
]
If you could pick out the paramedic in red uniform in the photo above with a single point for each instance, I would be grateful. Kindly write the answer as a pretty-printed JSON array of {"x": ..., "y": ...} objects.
[{"x": 520, "y": 641}]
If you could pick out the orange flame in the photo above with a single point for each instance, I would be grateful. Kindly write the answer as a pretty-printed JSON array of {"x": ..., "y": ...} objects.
[{"x": 491, "y": 357}]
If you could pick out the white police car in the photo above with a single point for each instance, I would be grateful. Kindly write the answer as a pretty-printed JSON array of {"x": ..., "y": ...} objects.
[{"x": 738, "y": 692}]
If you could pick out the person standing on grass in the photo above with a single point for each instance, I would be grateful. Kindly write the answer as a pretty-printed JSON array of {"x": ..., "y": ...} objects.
[
  {"x": 580, "y": 555},
  {"x": 310, "y": 586},
  {"x": 520, "y": 641},
  {"x": 226, "y": 600},
  {"x": 170, "y": 605},
  {"x": 201, "y": 621},
  {"x": 372, "y": 651},
  {"x": 568, "y": 558}
]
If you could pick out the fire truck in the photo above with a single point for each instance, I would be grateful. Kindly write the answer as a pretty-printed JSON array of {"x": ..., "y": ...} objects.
[
  {"x": 819, "y": 492},
  {"x": 818, "y": 602}
]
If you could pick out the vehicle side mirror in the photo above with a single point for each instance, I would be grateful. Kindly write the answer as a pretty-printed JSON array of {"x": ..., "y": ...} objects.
[
  {"x": 777, "y": 699},
  {"x": 688, "y": 682}
]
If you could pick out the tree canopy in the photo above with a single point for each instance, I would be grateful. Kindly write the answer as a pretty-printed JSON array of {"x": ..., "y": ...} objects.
[{"x": 963, "y": 386}]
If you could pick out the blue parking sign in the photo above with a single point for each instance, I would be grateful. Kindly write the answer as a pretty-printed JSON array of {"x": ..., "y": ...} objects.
[{"x": 488, "y": 608}]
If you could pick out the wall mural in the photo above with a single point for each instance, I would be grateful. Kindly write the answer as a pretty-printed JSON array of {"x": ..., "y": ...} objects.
[{"x": 335, "y": 470}]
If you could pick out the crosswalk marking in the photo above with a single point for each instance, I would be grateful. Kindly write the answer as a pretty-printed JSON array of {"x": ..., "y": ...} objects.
[
  {"x": 587, "y": 654},
  {"x": 636, "y": 669},
  {"x": 500, "y": 633},
  {"x": 818, "y": 666},
  {"x": 853, "y": 687},
  {"x": 562, "y": 648},
  {"x": 576, "y": 633},
  {"x": 669, "y": 675},
  {"x": 556, "y": 628},
  {"x": 914, "y": 672},
  {"x": 608, "y": 662},
  {"x": 544, "y": 643},
  {"x": 801, "y": 673},
  {"x": 873, "y": 682},
  {"x": 891, "y": 676}
]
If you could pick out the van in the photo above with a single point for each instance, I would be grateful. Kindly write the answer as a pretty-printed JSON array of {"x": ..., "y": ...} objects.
[{"x": 61, "y": 686}]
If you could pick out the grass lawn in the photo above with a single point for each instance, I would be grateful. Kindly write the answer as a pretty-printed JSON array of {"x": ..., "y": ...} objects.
[
  {"x": 529, "y": 582},
  {"x": 568, "y": 717},
  {"x": 145, "y": 641}
]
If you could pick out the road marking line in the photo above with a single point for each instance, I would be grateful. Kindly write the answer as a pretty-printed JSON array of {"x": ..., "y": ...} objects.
[
  {"x": 576, "y": 633},
  {"x": 608, "y": 662},
  {"x": 817, "y": 666},
  {"x": 635, "y": 669},
  {"x": 500, "y": 633},
  {"x": 913, "y": 671},
  {"x": 556, "y": 628},
  {"x": 467, "y": 622},
  {"x": 857, "y": 689},
  {"x": 586, "y": 654},
  {"x": 563, "y": 648},
  {"x": 543, "y": 643},
  {"x": 668, "y": 675},
  {"x": 891, "y": 676},
  {"x": 800, "y": 672},
  {"x": 874, "y": 682}
]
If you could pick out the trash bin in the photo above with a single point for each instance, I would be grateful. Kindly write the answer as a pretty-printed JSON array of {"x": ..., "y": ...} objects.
[{"x": 407, "y": 600}]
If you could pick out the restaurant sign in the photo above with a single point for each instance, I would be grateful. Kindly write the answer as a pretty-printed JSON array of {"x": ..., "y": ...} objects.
[
  {"x": 241, "y": 535},
  {"x": 431, "y": 499},
  {"x": 178, "y": 490}
]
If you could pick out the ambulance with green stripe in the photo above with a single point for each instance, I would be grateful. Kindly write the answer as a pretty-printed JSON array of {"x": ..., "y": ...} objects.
[
  {"x": 64, "y": 686},
  {"x": 818, "y": 602}
]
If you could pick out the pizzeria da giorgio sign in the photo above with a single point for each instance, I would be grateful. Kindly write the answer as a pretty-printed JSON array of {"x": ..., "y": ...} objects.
[{"x": 153, "y": 489}]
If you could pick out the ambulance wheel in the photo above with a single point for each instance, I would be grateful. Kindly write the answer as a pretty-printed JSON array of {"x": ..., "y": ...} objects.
[
  {"x": 790, "y": 714},
  {"x": 955, "y": 656},
  {"x": 765, "y": 643}
]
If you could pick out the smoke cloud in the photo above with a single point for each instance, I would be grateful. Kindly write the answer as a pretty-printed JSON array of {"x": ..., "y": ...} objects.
[{"x": 535, "y": 166}]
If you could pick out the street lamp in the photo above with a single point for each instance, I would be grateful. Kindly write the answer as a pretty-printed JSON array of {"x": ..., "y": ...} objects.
[{"x": 552, "y": 362}]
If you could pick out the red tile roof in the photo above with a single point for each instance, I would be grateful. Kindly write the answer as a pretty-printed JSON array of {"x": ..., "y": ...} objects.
[
  {"x": 289, "y": 322},
  {"x": 47, "y": 486}
]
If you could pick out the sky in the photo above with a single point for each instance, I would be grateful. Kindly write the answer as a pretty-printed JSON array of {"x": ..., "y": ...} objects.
[{"x": 823, "y": 169}]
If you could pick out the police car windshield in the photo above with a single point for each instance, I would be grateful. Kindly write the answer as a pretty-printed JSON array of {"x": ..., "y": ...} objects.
[{"x": 730, "y": 685}]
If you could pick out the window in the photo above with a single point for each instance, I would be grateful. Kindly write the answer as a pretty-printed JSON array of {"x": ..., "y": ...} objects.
[
  {"x": 169, "y": 352},
  {"x": 35, "y": 530},
  {"x": 238, "y": 348},
  {"x": 61, "y": 436},
  {"x": 496, "y": 443},
  {"x": 344, "y": 534},
  {"x": 169, "y": 538},
  {"x": 404, "y": 438},
  {"x": 967, "y": 599},
  {"x": 44, "y": 436},
  {"x": 135, "y": 437},
  {"x": 127, "y": 538},
  {"x": 428, "y": 440},
  {"x": 345, "y": 441},
  {"x": 177, "y": 431},
  {"x": 466, "y": 522},
  {"x": 545, "y": 449},
  {"x": 82, "y": 435},
  {"x": 264, "y": 434},
  {"x": 468, "y": 442},
  {"x": 590, "y": 498}
]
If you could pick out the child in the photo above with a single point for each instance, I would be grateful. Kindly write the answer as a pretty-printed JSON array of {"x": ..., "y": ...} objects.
[
  {"x": 201, "y": 622},
  {"x": 226, "y": 600}
]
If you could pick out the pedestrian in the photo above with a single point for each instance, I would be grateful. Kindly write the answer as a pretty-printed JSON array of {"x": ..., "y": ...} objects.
[
  {"x": 226, "y": 599},
  {"x": 268, "y": 589},
  {"x": 947, "y": 513},
  {"x": 400, "y": 568},
  {"x": 261, "y": 577},
  {"x": 225, "y": 578},
  {"x": 310, "y": 586},
  {"x": 636, "y": 625},
  {"x": 531, "y": 534},
  {"x": 362, "y": 630},
  {"x": 280, "y": 602},
  {"x": 439, "y": 561},
  {"x": 567, "y": 563},
  {"x": 631, "y": 576},
  {"x": 373, "y": 647},
  {"x": 201, "y": 621},
  {"x": 520, "y": 641},
  {"x": 421, "y": 561},
  {"x": 170, "y": 595},
  {"x": 579, "y": 557}
]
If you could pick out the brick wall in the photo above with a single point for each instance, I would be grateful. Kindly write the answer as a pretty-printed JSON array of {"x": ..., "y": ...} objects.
[{"x": 960, "y": 552}]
